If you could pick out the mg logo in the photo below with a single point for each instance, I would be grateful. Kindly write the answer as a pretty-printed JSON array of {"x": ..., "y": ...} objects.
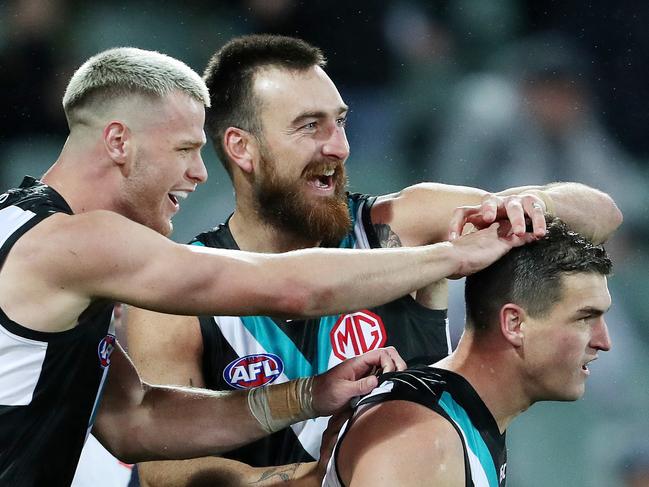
[{"x": 357, "y": 333}]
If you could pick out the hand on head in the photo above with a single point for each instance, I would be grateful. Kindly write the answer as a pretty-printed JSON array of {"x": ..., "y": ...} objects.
[{"x": 515, "y": 209}]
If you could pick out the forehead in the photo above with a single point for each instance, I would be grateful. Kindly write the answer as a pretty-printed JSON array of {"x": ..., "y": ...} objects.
[
  {"x": 286, "y": 94},
  {"x": 584, "y": 290},
  {"x": 178, "y": 114}
]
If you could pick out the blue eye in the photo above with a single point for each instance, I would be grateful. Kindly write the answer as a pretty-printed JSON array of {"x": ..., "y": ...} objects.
[{"x": 342, "y": 122}]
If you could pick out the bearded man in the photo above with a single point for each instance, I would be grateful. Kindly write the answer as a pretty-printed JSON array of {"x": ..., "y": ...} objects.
[{"x": 278, "y": 125}]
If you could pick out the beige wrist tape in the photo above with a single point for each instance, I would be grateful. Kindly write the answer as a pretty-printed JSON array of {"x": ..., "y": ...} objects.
[{"x": 280, "y": 405}]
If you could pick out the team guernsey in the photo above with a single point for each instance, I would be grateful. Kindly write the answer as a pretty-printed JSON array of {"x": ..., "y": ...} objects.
[
  {"x": 49, "y": 382},
  {"x": 452, "y": 397},
  {"x": 251, "y": 351}
]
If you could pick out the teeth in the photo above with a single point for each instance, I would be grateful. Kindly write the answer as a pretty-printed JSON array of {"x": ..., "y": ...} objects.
[
  {"x": 329, "y": 172},
  {"x": 179, "y": 194}
]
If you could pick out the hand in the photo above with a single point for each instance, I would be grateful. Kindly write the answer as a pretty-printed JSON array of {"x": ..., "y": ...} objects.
[
  {"x": 333, "y": 390},
  {"x": 479, "y": 249},
  {"x": 514, "y": 208}
]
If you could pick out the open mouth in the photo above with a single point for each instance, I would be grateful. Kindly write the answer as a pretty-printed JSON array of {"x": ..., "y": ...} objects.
[
  {"x": 585, "y": 367},
  {"x": 176, "y": 196},
  {"x": 323, "y": 180}
]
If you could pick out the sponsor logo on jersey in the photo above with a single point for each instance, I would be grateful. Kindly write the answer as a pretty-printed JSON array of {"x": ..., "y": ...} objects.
[
  {"x": 357, "y": 333},
  {"x": 253, "y": 370},
  {"x": 105, "y": 349}
]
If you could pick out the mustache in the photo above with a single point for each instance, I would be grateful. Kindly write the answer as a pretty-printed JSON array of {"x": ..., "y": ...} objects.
[{"x": 317, "y": 168}]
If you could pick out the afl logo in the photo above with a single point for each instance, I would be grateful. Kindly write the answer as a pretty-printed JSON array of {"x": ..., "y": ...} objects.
[
  {"x": 105, "y": 349},
  {"x": 3, "y": 197},
  {"x": 357, "y": 333},
  {"x": 253, "y": 370}
]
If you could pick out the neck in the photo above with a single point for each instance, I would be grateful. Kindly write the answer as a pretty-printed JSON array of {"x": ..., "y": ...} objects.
[
  {"x": 80, "y": 179},
  {"x": 490, "y": 367},
  {"x": 256, "y": 235}
]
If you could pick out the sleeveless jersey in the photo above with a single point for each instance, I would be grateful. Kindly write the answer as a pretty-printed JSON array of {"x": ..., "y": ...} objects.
[
  {"x": 244, "y": 352},
  {"x": 49, "y": 382},
  {"x": 452, "y": 397}
]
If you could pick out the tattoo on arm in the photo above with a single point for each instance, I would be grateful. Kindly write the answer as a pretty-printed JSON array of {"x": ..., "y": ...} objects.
[
  {"x": 283, "y": 474},
  {"x": 387, "y": 238}
]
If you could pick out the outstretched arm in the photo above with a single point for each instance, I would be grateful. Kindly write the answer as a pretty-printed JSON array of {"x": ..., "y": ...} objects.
[
  {"x": 103, "y": 255},
  {"x": 173, "y": 422},
  {"x": 423, "y": 213}
]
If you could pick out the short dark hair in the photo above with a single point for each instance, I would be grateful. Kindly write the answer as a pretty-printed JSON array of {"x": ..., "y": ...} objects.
[
  {"x": 530, "y": 275},
  {"x": 229, "y": 76}
]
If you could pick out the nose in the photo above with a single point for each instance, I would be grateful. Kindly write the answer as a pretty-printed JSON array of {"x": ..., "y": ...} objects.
[
  {"x": 601, "y": 340},
  {"x": 336, "y": 146},
  {"x": 197, "y": 171}
]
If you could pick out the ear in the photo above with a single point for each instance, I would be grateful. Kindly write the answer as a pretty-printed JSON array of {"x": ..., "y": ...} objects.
[
  {"x": 117, "y": 141},
  {"x": 512, "y": 323},
  {"x": 241, "y": 148}
]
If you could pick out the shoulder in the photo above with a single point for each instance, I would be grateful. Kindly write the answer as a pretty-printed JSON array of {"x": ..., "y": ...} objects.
[{"x": 428, "y": 446}]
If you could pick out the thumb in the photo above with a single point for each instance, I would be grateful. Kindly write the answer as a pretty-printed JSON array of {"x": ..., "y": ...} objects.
[{"x": 366, "y": 385}]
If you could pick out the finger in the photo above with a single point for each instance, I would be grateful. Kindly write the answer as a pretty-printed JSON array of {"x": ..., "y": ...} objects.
[
  {"x": 457, "y": 222},
  {"x": 399, "y": 363},
  {"x": 367, "y": 363},
  {"x": 516, "y": 215},
  {"x": 461, "y": 216},
  {"x": 536, "y": 211},
  {"x": 489, "y": 208},
  {"x": 365, "y": 385}
]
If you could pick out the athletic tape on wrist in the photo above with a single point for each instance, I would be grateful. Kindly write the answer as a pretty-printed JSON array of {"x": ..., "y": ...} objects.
[{"x": 280, "y": 405}]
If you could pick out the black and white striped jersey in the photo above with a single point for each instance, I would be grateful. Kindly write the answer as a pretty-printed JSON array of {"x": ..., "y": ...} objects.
[
  {"x": 50, "y": 383},
  {"x": 451, "y": 396}
]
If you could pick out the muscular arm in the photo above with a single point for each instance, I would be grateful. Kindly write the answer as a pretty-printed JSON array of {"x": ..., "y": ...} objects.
[
  {"x": 165, "y": 422},
  {"x": 401, "y": 443},
  {"x": 101, "y": 254},
  {"x": 157, "y": 416},
  {"x": 420, "y": 214},
  {"x": 167, "y": 349}
]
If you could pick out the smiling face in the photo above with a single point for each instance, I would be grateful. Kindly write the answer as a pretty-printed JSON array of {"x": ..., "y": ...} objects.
[
  {"x": 558, "y": 347},
  {"x": 300, "y": 176},
  {"x": 166, "y": 160}
]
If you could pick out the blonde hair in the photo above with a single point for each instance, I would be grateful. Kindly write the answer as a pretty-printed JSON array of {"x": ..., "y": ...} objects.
[{"x": 125, "y": 71}]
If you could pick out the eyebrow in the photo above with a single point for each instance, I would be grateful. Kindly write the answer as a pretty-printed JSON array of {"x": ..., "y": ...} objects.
[
  {"x": 316, "y": 114},
  {"x": 191, "y": 143},
  {"x": 591, "y": 311}
]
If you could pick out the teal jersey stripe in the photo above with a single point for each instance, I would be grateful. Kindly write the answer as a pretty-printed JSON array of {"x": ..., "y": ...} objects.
[
  {"x": 200, "y": 244},
  {"x": 327, "y": 322},
  {"x": 274, "y": 340},
  {"x": 324, "y": 342},
  {"x": 475, "y": 443}
]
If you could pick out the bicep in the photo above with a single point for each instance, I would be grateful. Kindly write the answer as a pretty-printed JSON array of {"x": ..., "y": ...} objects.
[
  {"x": 166, "y": 349},
  {"x": 421, "y": 214}
]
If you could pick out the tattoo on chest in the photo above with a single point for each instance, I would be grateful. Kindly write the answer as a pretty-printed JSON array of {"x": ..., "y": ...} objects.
[{"x": 387, "y": 238}]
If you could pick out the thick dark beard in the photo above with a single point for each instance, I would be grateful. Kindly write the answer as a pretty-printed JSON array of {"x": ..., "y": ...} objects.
[{"x": 283, "y": 205}]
